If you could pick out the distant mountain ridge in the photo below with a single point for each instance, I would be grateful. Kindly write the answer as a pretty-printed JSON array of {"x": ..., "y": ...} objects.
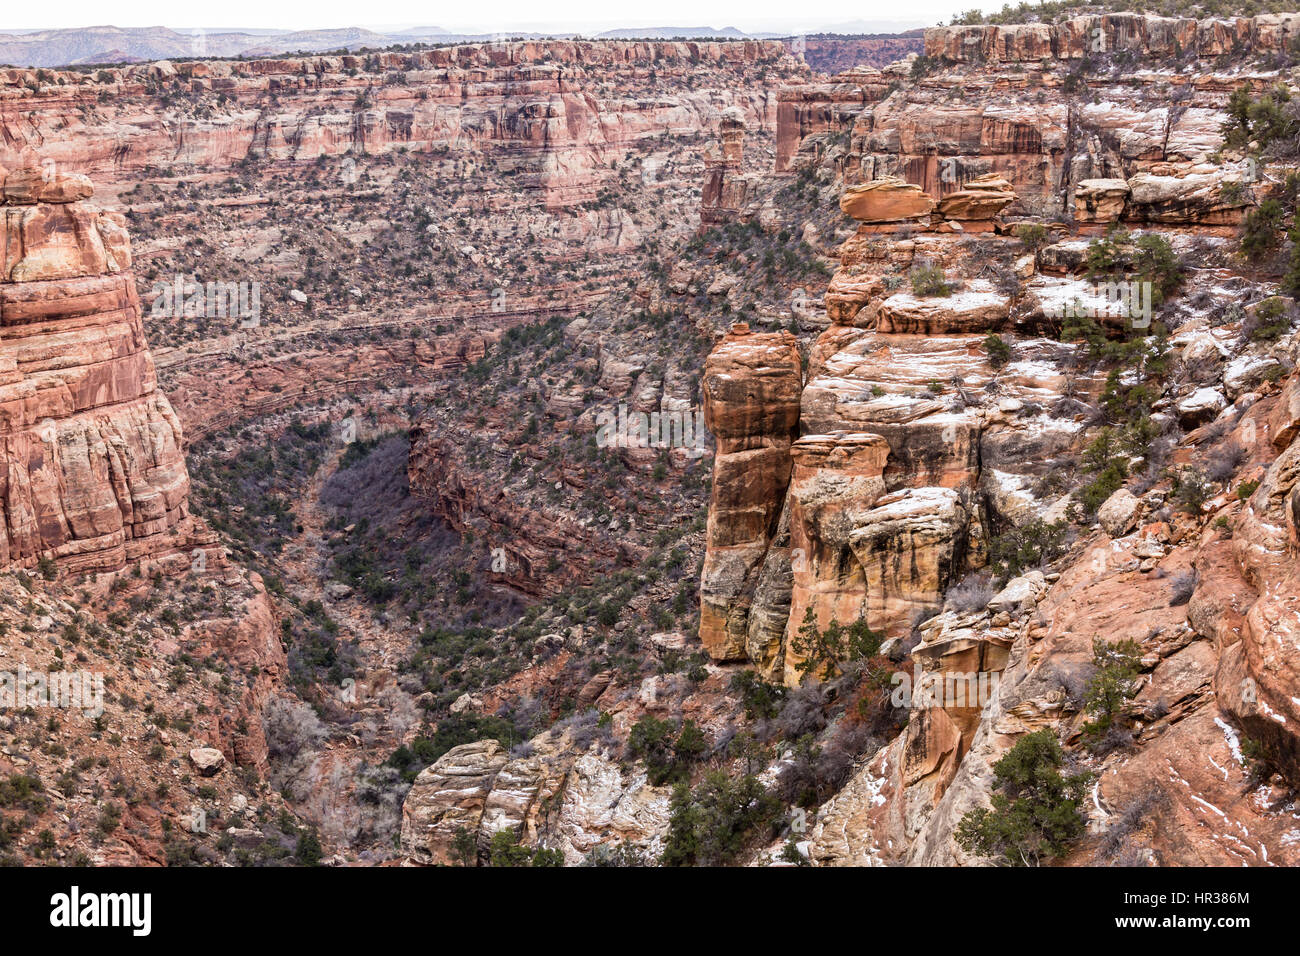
[{"x": 109, "y": 44}]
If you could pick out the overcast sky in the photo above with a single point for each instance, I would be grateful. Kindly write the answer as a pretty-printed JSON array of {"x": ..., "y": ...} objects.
[{"x": 495, "y": 16}]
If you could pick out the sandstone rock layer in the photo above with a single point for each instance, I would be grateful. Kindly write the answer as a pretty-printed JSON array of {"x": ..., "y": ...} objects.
[{"x": 93, "y": 473}]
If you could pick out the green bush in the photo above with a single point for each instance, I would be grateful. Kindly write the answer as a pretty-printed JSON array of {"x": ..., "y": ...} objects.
[
  {"x": 504, "y": 850},
  {"x": 929, "y": 281},
  {"x": 1113, "y": 683},
  {"x": 668, "y": 752},
  {"x": 712, "y": 824},
  {"x": 1107, "y": 254},
  {"x": 1262, "y": 230},
  {"x": 824, "y": 652},
  {"x": 1032, "y": 544},
  {"x": 1191, "y": 490},
  {"x": 998, "y": 351},
  {"x": 1270, "y": 321},
  {"x": 1035, "y": 815},
  {"x": 1155, "y": 262},
  {"x": 761, "y": 700},
  {"x": 1260, "y": 119},
  {"x": 452, "y": 731},
  {"x": 1032, "y": 234},
  {"x": 923, "y": 66},
  {"x": 1291, "y": 281}
]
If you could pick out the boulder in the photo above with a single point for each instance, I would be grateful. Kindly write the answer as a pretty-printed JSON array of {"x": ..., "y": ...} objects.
[
  {"x": 1197, "y": 198},
  {"x": 1100, "y": 200},
  {"x": 1246, "y": 371},
  {"x": 886, "y": 200},
  {"x": 1200, "y": 407},
  {"x": 1118, "y": 514},
  {"x": 33, "y": 184},
  {"x": 208, "y": 761},
  {"x": 976, "y": 309},
  {"x": 849, "y": 293},
  {"x": 446, "y": 796},
  {"x": 1020, "y": 594},
  {"x": 981, "y": 198},
  {"x": 1285, "y": 420}
]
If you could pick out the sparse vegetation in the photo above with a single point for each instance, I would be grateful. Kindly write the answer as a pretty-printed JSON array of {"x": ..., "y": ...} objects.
[{"x": 1036, "y": 813}]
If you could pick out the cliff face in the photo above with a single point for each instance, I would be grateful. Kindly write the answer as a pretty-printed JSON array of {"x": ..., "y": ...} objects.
[
  {"x": 1007, "y": 100},
  {"x": 93, "y": 474},
  {"x": 467, "y": 189},
  {"x": 835, "y": 54},
  {"x": 1080, "y": 37},
  {"x": 94, "y": 488},
  {"x": 751, "y": 391},
  {"x": 560, "y": 110},
  {"x": 921, "y": 447}
]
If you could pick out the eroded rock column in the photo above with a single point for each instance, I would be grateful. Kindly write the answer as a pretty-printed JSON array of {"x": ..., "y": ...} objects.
[
  {"x": 752, "y": 383},
  {"x": 92, "y": 472}
]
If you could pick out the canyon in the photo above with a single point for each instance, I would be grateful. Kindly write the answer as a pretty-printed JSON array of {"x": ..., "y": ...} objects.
[{"x": 368, "y": 586}]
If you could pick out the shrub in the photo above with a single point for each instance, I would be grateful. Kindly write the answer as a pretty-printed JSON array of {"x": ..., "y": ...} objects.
[
  {"x": 452, "y": 731},
  {"x": 761, "y": 700},
  {"x": 1156, "y": 263},
  {"x": 504, "y": 850},
  {"x": 1107, "y": 253},
  {"x": 1291, "y": 280},
  {"x": 1262, "y": 230},
  {"x": 1127, "y": 821},
  {"x": 668, "y": 753},
  {"x": 1223, "y": 463},
  {"x": 1191, "y": 490},
  {"x": 1113, "y": 683},
  {"x": 972, "y": 593},
  {"x": 814, "y": 772},
  {"x": 1151, "y": 257},
  {"x": 1033, "y": 544},
  {"x": 618, "y": 855},
  {"x": 1270, "y": 321},
  {"x": 1257, "y": 761},
  {"x": 1106, "y": 458},
  {"x": 998, "y": 351},
  {"x": 929, "y": 281},
  {"x": 923, "y": 66},
  {"x": 308, "y": 850},
  {"x": 803, "y": 712},
  {"x": 1262, "y": 119},
  {"x": 824, "y": 652},
  {"x": 1181, "y": 588},
  {"x": 712, "y": 824},
  {"x": 1036, "y": 814},
  {"x": 464, "y": 847},
  {"x": 1032, "y": 234}
]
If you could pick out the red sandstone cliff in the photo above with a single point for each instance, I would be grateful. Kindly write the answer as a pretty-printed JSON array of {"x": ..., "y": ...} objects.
[{"x": 92, "y": 473}]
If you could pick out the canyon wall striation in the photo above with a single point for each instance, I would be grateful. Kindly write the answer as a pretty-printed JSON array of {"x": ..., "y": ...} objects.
[
  {"x": 94, "y": 475},
  {"x": 939, "y": 421}
]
